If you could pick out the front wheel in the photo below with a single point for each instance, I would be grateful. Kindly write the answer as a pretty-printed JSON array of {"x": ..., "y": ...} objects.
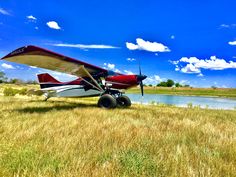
[
  {"x": 107, "y": 101},
  {"x": 123, "y": 101}
]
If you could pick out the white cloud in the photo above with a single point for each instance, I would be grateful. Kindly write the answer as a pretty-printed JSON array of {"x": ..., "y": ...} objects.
[
  {"x": 31, "y": 17},
  {"x": 172, "y": 37},
  {"x": 174, "y": 62},
  {"x": 232, "y": 43},
  {"x": 189, "y": 60},
  {"x": 194, "y": 65},
  {"x": 53, "y": 25},
  {"x": 111, "y": 67},
  {"x": 158, "y": 78},
  {"x": 128, "y": 72},
  {"x": 224, "y": 26},
  {"x": 4, "y": 12},
  {"x": 215, "y": 63},
  {"x": 190, "y": 68},
  {"x": 177, "y": 68},
  {"x": 117, "y": 70},
  {"x": 200, "y": 75},
  {"x": 7, "y": 66},
  {"x": 36, "y": 28},
  {"x": 59, "y": 74},
  {"x": 154, "y": 80},
  {"x": 82, "y": 46},
  {"x": 183, "y": 82},
  {"x": 131, "y": 46},
  {"x": 224, "y": 86},
  {"x": 131, "y": 59},
  {"x": 33, "y": 67},
  {"x": 147, "y": 46},
  {"x": 227, "y": 26},
  {"x": 63, "y": 77}
]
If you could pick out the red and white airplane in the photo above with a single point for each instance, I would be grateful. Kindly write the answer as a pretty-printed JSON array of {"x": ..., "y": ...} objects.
[{"x": 91, "y": 81}]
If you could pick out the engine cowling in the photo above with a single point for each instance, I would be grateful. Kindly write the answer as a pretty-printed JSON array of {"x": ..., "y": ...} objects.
[{"x": 124, "y": 81}]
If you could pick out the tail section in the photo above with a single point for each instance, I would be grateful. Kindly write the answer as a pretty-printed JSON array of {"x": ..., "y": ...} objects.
[{"x": 46, "y": 80}]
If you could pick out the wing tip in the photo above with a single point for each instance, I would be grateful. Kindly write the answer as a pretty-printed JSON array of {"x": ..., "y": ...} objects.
[{"x": 18, "y": 51}]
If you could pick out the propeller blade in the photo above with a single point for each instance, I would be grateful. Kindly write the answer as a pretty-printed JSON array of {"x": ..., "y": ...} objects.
[
  {"x": 140, "y": 73},
  {"x": 141, "y": 83},
  {"x": 141, "y": 86}
]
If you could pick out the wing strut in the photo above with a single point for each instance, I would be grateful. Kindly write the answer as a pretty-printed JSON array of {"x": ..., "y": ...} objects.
[{"x": 84, "y": 72}]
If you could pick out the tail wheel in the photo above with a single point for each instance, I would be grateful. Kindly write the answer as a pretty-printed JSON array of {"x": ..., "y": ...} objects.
[
  {"x": 47, "y": 96},
  {"x": 123, "y": 101},
  {"x": 107, "y": 101}
]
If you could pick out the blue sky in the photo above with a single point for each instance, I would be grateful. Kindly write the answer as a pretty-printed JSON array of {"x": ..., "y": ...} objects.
[{"x": 192, "y": 42}]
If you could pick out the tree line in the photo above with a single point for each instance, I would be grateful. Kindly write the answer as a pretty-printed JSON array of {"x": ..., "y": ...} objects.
[
  {"x": 4, "y": 79},
  {"x": 169, "y": 83}
]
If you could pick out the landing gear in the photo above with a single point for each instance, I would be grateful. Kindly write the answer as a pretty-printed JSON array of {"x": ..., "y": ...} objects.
[
  {"x": 112, "y": 101},
  {"x": 47, "y": 96},
  {"x": 123, "y": 101},
  {"x": 107, "y": 101}
]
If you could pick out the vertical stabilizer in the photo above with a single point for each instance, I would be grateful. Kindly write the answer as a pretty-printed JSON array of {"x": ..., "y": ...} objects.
[{"x": 46, "y": 80}]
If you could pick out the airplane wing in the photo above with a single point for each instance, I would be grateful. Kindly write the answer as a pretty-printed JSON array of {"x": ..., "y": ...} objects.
[{"x": 42, "y": 58}]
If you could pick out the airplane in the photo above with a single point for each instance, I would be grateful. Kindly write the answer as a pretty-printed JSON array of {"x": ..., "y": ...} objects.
[{"x": 92, "y": 80}]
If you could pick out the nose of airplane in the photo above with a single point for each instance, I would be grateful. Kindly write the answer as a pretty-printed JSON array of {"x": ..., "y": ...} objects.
[{"x": 141, "y": 77}]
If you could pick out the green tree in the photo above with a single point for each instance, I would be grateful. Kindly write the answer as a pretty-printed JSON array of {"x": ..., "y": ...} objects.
[
  {"x": 3, "y": 77},
  {"x": 214, "y": 87},
  {"x": 31, "y": 82},
  {"x": 16, "y": 81},
  {"x": 178, "y": 85},
  {"x": 162, "y": 84},
  {"x": 170, "y": 83}
]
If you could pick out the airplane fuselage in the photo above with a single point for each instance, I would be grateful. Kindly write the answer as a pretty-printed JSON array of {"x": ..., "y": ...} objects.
[{"x": 80, "y": 88}]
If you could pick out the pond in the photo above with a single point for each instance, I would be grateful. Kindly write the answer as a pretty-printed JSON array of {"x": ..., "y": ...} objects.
[{"x": 185, "y": 101}]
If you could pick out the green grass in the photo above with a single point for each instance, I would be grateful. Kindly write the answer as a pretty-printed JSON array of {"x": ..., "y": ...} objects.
[
  {"x": 73, "y": 137},
  {"x": 218, "y": 92}
]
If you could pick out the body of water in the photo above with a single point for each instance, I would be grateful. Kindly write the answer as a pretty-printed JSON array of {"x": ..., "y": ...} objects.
[{"x": 184, "y": 101}]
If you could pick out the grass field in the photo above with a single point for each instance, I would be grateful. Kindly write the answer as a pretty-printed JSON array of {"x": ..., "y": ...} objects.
[
  {"x": 219, "y": 92},
  {"x": 72, "y": 137}
]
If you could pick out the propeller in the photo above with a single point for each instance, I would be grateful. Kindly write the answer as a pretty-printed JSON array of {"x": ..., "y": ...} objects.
[{"x": 140, "y": 79}]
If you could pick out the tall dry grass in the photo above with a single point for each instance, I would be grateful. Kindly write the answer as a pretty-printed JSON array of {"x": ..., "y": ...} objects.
[{"x": 72, "y": 137}]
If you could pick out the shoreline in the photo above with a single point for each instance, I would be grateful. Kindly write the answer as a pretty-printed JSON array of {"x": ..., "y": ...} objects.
[
  {"x": 210, "y": 96},
  {"x": 182, "y": 106}
]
